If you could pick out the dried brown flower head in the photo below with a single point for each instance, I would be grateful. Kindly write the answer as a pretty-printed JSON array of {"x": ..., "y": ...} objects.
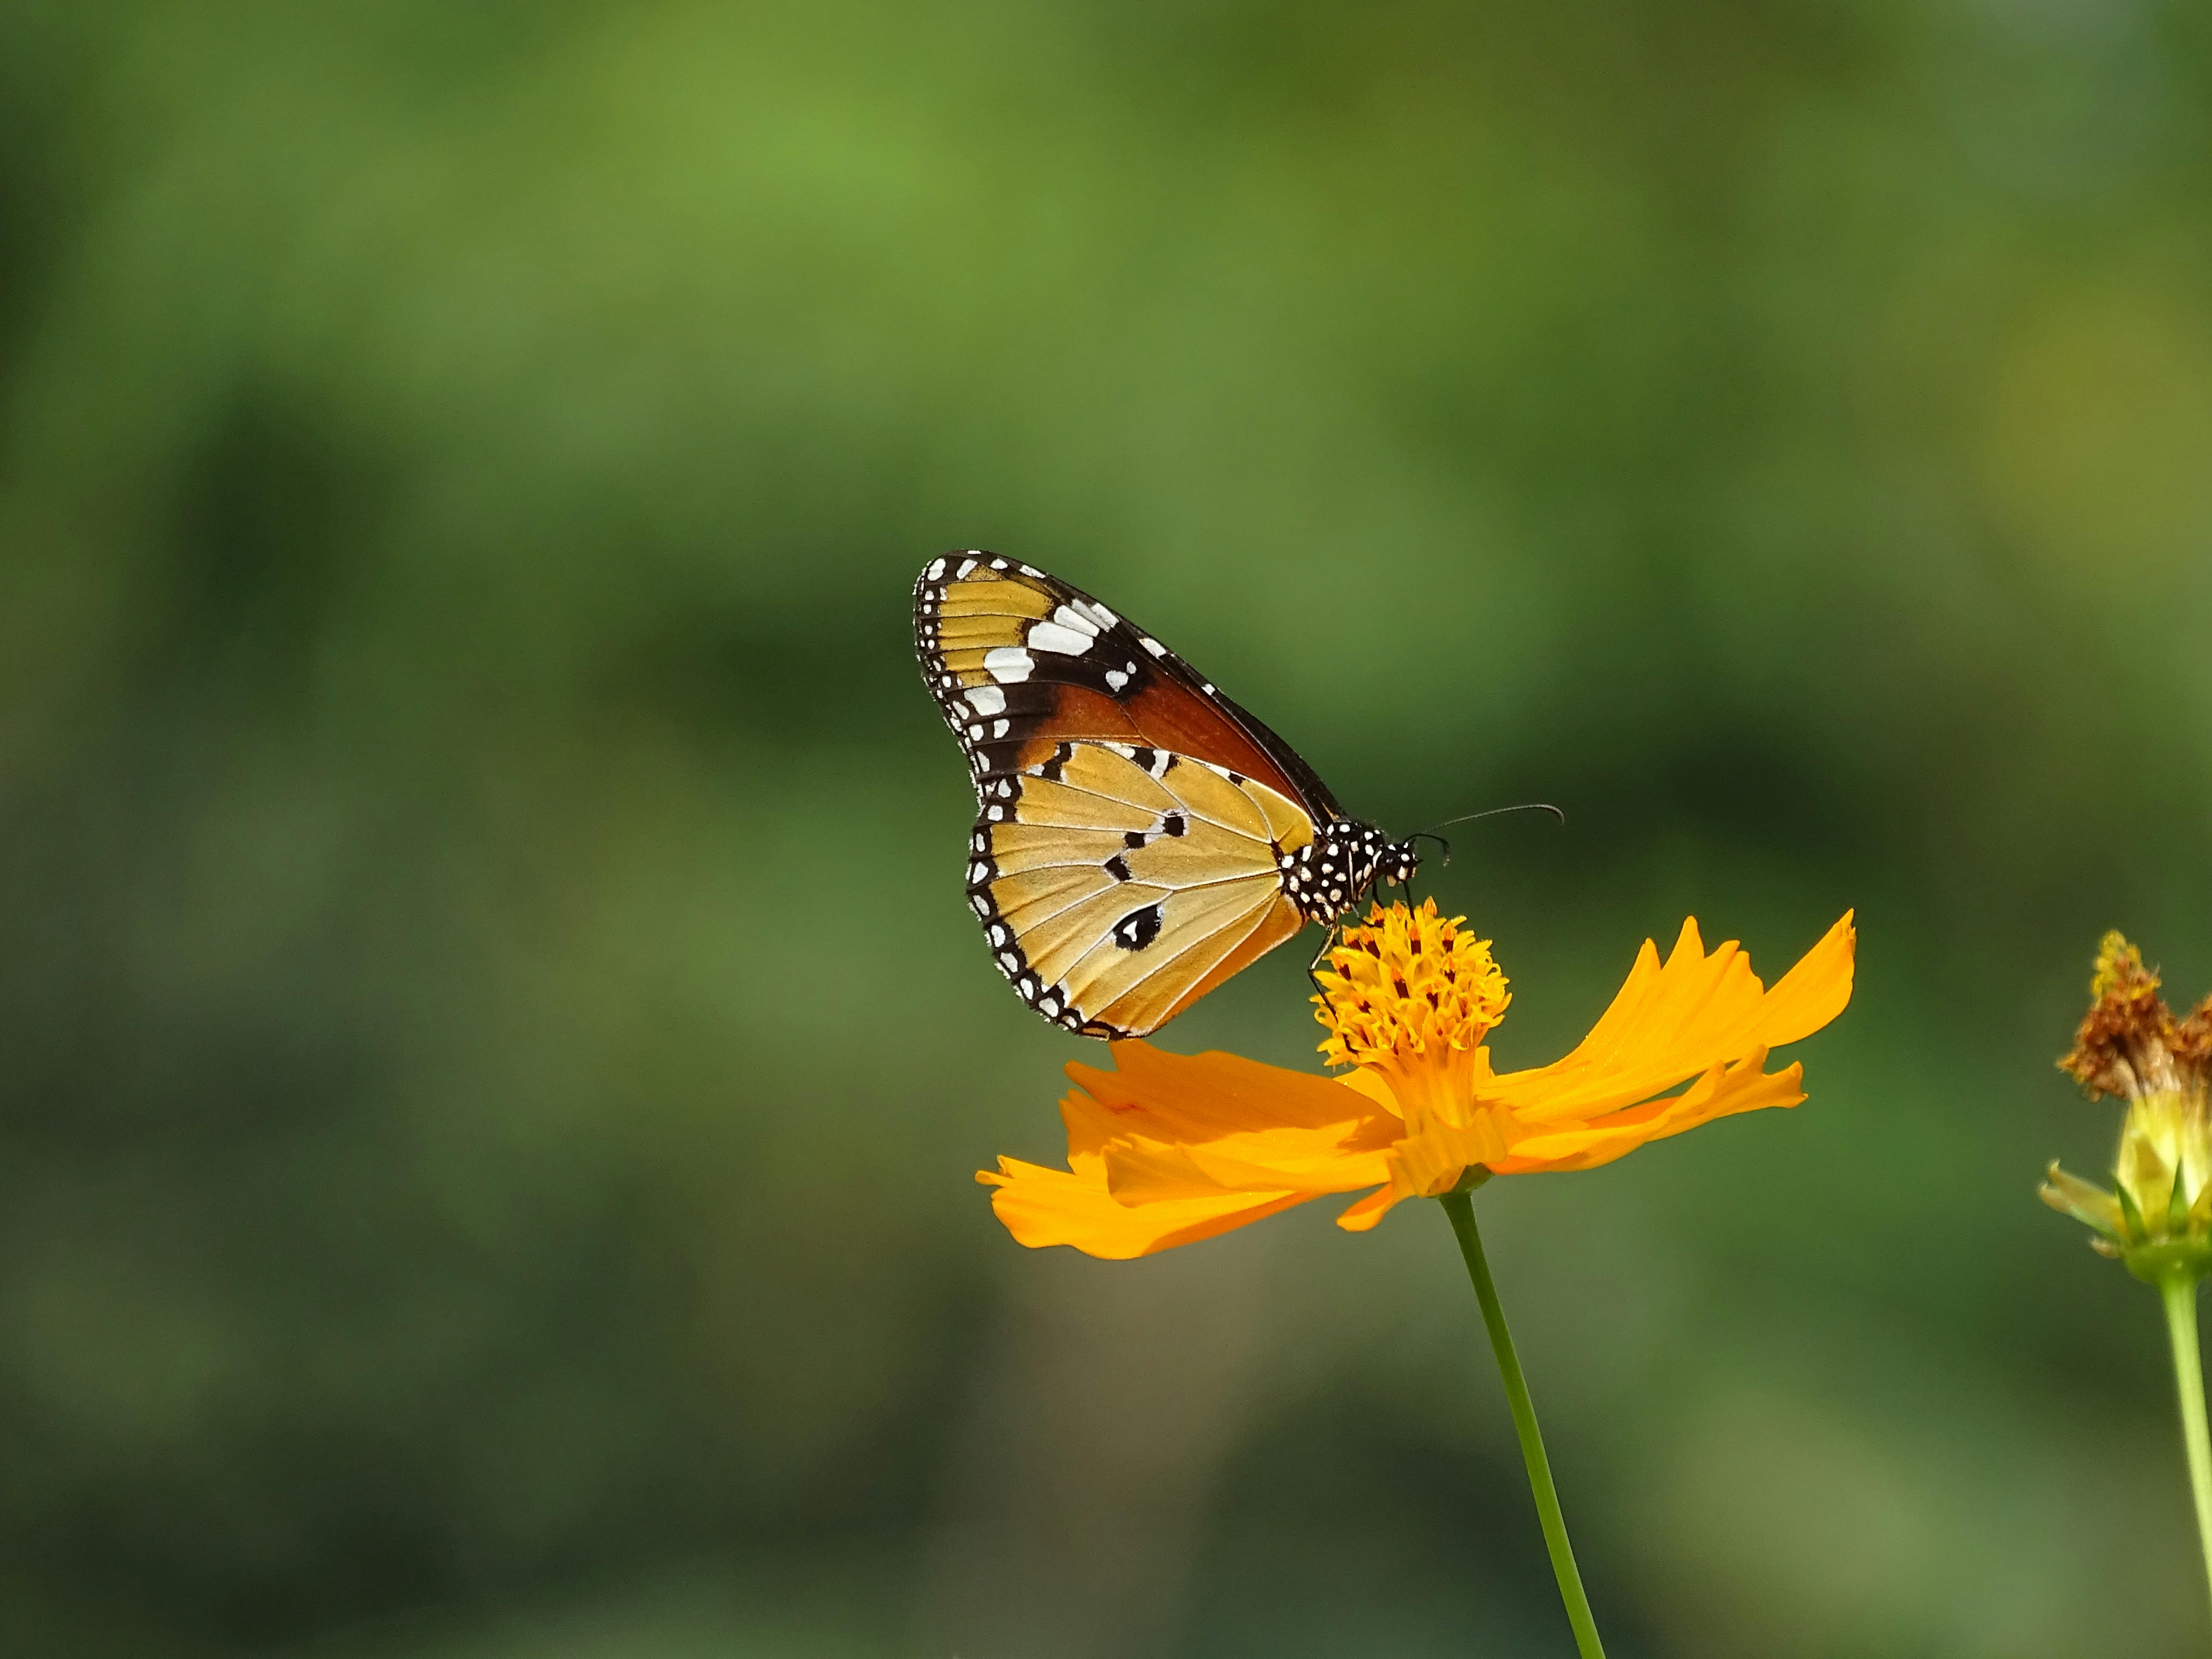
[{"x": 2157, "y": 1212}]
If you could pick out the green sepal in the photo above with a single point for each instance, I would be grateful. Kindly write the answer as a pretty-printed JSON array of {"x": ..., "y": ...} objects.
[{"x": 2133, "y": 1232}]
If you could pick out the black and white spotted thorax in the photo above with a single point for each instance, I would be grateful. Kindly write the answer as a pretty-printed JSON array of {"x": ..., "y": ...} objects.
[{"x": 1341, "y": 865}]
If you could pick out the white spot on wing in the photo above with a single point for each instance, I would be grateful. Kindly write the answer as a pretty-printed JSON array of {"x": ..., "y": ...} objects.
[
  {"x": 966, "y": 565},
  {"x": 1009, "y": 664},
  {"x": 1097, "y": 613},
  {"x": 987, "y": 699},
  {"x": 1115, "y": 679},
  {"x": 935, "y": 570},
  {"x": 1072, "y": 619},
  {"x": 1062, "y": 642},
  {"x": 1154, "y": 646}
]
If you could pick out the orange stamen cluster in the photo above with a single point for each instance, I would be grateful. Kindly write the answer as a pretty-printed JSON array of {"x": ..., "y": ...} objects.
[
  {"x": 1409, "y": 983},
  {"x": 1408, "y": 997}
]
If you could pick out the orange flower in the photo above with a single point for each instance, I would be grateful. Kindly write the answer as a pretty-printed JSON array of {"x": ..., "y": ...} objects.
[{"x": 1168, "y": 1149}]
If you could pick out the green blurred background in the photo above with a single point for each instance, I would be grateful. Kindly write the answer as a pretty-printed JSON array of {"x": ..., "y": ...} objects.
[{"x": 492, "y": 1048}]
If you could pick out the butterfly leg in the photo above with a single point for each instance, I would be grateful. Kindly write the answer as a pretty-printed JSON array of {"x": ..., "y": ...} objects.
[{"x": 1328, "y": 944}]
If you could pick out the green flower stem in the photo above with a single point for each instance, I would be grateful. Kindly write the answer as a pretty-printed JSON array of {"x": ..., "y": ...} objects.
[
  {"x": 2179, "y": 1291},
  {"x": 1460, "y": 1209}
]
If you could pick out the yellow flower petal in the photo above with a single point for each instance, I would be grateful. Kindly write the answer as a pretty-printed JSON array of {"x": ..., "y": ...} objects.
[
  {"x": 1172, "y": 1148},
  {"x": 1041, "y": 1206},
  {"x": 1678, "y": 1020},
  {"x": 1723, "y": 1091},
  {"x": 1143, "y": 1171},
  {"x": 1209, "y": 1096},
  {"x": 1364, "y": 1216}
]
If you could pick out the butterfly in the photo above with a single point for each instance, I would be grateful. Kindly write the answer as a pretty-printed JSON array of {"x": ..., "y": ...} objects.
[{"x": 1139, "y": 838}]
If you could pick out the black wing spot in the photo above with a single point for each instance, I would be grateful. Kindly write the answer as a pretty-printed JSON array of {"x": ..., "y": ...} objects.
[
  {"x": 1144, "y": 757},
  {"x": 1118, "y": 867},
  {"x": 1172, "y": 824},
  {"x": 1133, "y": 839},
  {"x": 1139, "y": 928},
  {"x": 1060, "y": 757}
]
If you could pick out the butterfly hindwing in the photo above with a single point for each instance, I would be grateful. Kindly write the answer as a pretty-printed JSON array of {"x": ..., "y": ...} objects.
[{"x": 1114, "y": 893}]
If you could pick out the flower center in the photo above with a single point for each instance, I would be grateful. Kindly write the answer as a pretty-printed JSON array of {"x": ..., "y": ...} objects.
[{"x": 1411, "y": 995}]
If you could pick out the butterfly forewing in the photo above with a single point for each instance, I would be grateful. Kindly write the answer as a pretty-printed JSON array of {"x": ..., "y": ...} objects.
[{"x": 1011, "y": 652}]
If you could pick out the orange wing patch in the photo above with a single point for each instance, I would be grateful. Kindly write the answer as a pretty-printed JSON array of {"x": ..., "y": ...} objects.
[{"x": 1017, "y": 660}]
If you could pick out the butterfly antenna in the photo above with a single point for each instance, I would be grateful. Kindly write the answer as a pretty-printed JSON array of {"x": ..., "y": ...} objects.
[{"x": 1430, "y": 834}]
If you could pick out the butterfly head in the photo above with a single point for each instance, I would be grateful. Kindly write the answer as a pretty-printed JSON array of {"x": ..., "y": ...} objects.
[
  {"x": 1395, "y": 864},
  {"x": 1341, "y": 865}
]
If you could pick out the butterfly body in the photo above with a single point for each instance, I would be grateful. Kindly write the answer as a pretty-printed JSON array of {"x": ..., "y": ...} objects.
[{"x": 1139, "y": 838}]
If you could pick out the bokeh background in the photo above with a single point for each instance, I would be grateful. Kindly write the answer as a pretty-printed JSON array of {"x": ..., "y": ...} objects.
[{"x": 492, "y": 1051}]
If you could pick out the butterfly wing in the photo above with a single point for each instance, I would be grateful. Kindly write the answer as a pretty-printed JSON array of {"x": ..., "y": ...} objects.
[
  {"x": 1014, "y": 655},
  {"x": 1128, "y": 857},
  {"x": 1116, "y": 885}
]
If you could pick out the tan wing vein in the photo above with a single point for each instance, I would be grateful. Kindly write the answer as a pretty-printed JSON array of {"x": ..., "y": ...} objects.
[{"x": 1015, "y": 897}]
